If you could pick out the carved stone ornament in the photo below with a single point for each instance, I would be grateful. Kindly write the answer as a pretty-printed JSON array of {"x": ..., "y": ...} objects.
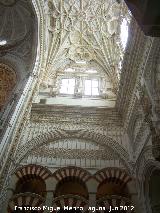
[{"x": 86, "y": 31}]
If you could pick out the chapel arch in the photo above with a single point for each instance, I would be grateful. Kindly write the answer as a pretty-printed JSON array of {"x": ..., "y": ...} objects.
[
  {"x": 112, "y": 190},
  {"x": 31, "y": 183},
  {"x": 30, "y": 187},
  {"x": 72, "y": 181},
  {"x": 112, "y": 181},
  {"x": 71, "y": 186},
  {"x": 71, "y": 189}
]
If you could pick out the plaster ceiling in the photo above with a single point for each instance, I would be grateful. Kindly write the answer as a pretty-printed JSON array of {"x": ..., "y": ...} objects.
[{"x": 85, "y": 30}]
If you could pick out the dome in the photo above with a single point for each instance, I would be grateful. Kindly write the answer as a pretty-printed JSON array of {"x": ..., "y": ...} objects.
[{"x": 15, "y": 22}]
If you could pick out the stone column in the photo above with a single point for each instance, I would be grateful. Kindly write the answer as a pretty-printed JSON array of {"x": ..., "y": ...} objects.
[
  {"x": 134, "y": 197},
  {"x": 10, "y": 192},
  {"x": 51, "y": 183},
  {"x": 92, "y": 185}
]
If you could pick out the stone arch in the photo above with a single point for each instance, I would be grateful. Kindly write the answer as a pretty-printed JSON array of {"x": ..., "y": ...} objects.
[
  {"x": 112, "y": 181},
  {"x": 37, "y": 170},
  {"x": 112, "y": 190},
  {"x": 71, "y": 189},
  {"x": 30, "y": 187},
  {"x": 72, "y": 171},
  {"x": 114, "y": 173},
  {"x": 71, "y": 180},
  {"x": 81, "y": 134}
]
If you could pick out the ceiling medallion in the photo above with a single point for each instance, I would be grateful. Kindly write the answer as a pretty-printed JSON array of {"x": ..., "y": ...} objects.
[{"x": 8, "y": 2}]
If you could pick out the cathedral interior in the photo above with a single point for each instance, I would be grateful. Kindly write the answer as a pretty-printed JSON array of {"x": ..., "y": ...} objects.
[{"x": 80, "y": 106}]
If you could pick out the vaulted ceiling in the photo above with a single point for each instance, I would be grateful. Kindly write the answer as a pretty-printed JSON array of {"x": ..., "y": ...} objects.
[
  {"x": 18, "y": 35},
  {"x": 18, "y": 46},
  {"x": 85, "y": 30}
]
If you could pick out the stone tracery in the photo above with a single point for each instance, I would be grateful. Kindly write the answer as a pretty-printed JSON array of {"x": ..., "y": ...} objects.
[
  {"x": 75, "y": 34},
  {"x": 85, "y": 36}
]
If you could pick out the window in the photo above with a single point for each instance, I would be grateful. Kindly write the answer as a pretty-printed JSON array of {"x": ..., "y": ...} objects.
[
  {"x": 67, "y": 86},
  {"x": 79, "y": 82},
  {"x": 3, "y": 42},
  {"x": 91, "y": 87},
  {"x": 124, "y": 33}
]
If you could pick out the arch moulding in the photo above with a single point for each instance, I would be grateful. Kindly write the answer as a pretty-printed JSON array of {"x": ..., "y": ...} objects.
[{"x": 55, "y": 135}]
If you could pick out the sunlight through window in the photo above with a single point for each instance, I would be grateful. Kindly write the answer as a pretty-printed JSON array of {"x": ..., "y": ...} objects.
[
  {"x": 87, "y": 87},
  {"x": 91, "y": 71},
  {"x": 81, "y": 62},
  {"x": 3, "y": 42},
  {"x": 69, "y": 70},
  {"x": 91, "y": 87},
  {"x": 124, "y": 33},
  {"x": 67, "y": 86}
]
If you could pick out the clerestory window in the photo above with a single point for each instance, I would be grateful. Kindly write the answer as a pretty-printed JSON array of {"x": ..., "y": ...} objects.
[
  {"x": 67, "y": 86},
  {"x": 91, "y": 87},
  {"x": 79, "y": 86},
  {"x": 81, "y": 82}
]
